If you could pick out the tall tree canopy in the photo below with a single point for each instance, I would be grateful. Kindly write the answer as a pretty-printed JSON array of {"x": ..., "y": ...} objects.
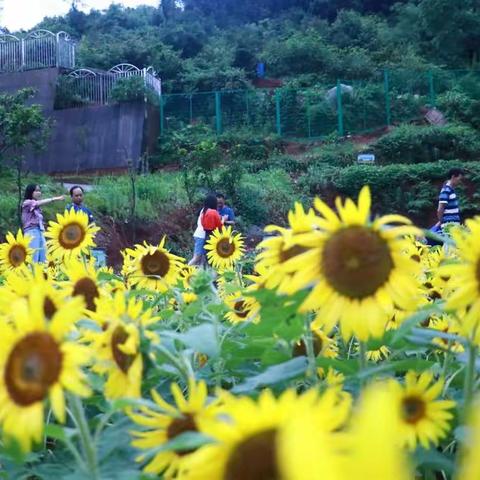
[{"x": 205, "y": 44}]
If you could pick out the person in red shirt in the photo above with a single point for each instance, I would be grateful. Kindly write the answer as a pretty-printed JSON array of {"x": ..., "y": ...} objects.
[{"x": 208, "y": 220}]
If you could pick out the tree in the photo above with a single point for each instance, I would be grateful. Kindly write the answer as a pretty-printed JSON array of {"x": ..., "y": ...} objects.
[{"x": 23, "y": 128}]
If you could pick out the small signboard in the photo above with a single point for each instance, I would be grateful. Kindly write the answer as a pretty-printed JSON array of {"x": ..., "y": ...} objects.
[{"x": 366, "y": 158}]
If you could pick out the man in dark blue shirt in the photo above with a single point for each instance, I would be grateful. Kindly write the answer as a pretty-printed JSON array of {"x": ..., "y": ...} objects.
[
  {"x": 77, "y": 195},
  {"x": 225, "y": 211},
  {"x": 448, "y": 209}
]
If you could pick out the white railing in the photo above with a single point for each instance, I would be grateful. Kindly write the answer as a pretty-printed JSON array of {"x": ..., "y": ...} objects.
[
  {"x": 39, "y": 49},
  {"x": 93, "y": 87}
]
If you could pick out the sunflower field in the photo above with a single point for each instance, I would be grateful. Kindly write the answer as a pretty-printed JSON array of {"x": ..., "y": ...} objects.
[{"x": 342, "y": 348}]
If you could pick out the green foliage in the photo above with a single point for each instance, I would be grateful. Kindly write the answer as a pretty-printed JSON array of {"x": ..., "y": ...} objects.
[
  {"x": 198, "y": 168},
  {"x": 334, "y": 154},
  {"x": 412, "y": 144},
  {"x": 268, "y": 204},
  {"x": 129, "y": 89},
  {"x": 22, "y": 125},
  {"x": 207, "y": 44},
  {"x": 237, "y": 144},
  {"x": 156, "y": 194},
  {"x": 406, "y": 189}
]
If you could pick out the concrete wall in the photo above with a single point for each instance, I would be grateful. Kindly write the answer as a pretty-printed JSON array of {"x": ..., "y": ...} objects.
[
  {"x": 88, "y": 138},
  {"x": 43, "y": 81},
  {"x": 92, "y": 139}
]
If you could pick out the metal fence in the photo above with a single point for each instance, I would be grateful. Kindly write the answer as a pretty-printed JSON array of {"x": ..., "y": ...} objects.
[
  {"x": 84, "y": 86},
  {"x": 39, "y": 49},
  {"x": 343, "y": 107}
]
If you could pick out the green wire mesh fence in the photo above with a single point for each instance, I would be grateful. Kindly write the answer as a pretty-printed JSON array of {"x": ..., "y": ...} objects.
[{"x": 343, "y": 107}]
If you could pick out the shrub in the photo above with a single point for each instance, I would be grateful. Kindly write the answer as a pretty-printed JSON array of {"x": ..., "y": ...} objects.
[
  {"x": 129, "y": 89},
  {"x": 411, "y": 144},
  {"x": 156, "y": 194},
  {"x": 334, "y": 154},
  {"x": 268, "y": 204},
  {"x": 410, "y": 190}
]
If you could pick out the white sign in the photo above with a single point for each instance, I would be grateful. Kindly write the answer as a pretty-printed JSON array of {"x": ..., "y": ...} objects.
[{"x": 366, "y": 158}]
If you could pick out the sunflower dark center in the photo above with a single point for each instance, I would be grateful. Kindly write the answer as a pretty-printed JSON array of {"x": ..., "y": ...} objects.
[
  {"x": 88, "y": 289},
  {"x": 123, "y": 360},
  {"x": 300, "y": 349},
  {"x": 225, "y": 248},
  {"x": 17, "y": 255},
  {"x": 186, "y": 423},
  {"x": 49, "y": 308},
  {"x": 413, "y": 409},
  {"x": 356, "y": 262},
  {"x": 71, "y": 236},
  {"x": 291, "y": 252},
  {"x": 156, "y": 263},
  {"x": 241, "y": 309},
  {"x": 254, "y": 459},
  {"x": 33, "y": 366}
]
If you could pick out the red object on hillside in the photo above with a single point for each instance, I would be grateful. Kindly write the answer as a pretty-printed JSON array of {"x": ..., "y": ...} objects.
[{"x": 267, "y": 83}]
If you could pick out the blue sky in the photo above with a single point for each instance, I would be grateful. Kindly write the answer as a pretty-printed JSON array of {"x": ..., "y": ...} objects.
[{"x": 18, "y": 14}]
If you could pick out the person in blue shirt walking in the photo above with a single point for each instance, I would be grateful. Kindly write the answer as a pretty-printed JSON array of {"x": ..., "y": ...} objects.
[
  {"x": 77, "y": 195},
  {"x": 448, "y": 207},
  {"x": 225, "y": 212}
]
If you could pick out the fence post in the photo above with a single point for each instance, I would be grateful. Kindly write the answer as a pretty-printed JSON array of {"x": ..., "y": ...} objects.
[
  {"x": 386, "y": 82},
  {"x": 431, "y": 88},
  {"x": 58, "y": 51},
  {"x": 218, "y": 113},
  {"x": 341, "y": 129},
  {"x": 278, "y": 113},
  {"x": 23, "y": 54},
  {"x": 162, "y": 117}
]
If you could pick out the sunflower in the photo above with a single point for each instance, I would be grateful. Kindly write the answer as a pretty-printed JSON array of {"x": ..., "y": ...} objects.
[
  {"x": 277, "y": 249},
  {"x": 224, "y": 248},
  {"x": 469, "y": 465},
  {"x": 166, "y": 422},
  {"x": 187, "y": 274},
  {"x": 118, "y": 357},
  {"x": 465, "y": 276},
  {"x": 357, "y": 268},
  {"x": 249, "y": 435},
  {"x": 332, "y": 377},
  {"x": 367, "y": 434},
  {"x": 19, "y": 284},
  {"x": 38, "y": 363},
  {"x": 70, "y": 235},
  {"x": 15, "y": 253},
  {"x": 323, "y": 345},
  {"x": 378, "y": 354},
  {"x": 123, "y": 307},
  {"x": 83, "y": 282},
  {"x": 152, "y": 267},
  {"x": 446, "y": 324},
  {"x": 242, "y": 308},
  {"x": 185, "y": 298},
  {"x": 422, "y": 418}
]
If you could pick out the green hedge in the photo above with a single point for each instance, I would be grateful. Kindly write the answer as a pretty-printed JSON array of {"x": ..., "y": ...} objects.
[
  {"x": 406, "y": 189},
  {"x": 413, "y": 144}
]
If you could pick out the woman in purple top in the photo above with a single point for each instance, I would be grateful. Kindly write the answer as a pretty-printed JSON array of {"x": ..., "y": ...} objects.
[{"x": 32, "y": 220}]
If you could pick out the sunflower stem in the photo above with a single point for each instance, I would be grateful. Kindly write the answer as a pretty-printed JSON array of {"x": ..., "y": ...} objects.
[
  {"x": 469, "y": 376},
  {"x": 86, "y": 440},
  {"x": 446, "y": 360},
  {"x": 312, "y": 361}
]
